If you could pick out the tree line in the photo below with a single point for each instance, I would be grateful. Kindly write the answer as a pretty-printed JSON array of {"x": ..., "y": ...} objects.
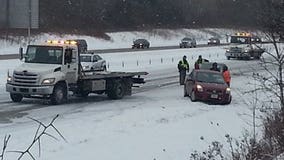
[{"x": 141, "y": 14}]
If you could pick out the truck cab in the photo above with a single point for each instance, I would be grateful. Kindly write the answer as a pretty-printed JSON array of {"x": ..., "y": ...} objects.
[
  {"x": 243, "y": 46},
  {"x": 53, "y": 69},
  {"x": 44, "y": 66}
]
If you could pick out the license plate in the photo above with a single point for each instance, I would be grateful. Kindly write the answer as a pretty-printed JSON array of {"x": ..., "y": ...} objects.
[
  {"x": 214, "y": 96},
  {"x": 24, "y": 90}
]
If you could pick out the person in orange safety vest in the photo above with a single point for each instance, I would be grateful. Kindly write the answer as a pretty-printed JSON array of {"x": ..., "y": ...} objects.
[{"x": 226, "y": 75}]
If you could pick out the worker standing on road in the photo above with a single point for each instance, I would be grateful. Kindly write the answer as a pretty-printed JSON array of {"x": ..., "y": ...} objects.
[
  {"x": 215, "y": 67},
  {"x": 199, "y": 61},
  {"x": 183, "y": 67},
  {"x": 226, "y": 75}
]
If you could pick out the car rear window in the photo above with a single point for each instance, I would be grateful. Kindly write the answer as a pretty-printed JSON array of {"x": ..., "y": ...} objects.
[
  {"x": 85, "y": 58},
  {"x": 210, "y": 77}
]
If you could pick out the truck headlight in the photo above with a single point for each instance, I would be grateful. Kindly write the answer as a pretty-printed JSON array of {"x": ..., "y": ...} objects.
[
  {"x": 9, "y": 79},
  {"x": 48, "y": 81},
  {"x": 199, "y": 88},
  {"x": 85, "y": 67},
  {"x": 228, "y": 90}
]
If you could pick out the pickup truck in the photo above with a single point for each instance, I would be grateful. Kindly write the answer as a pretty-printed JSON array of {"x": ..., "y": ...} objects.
[
  {"x": 246, "y": 51},
  {"x": 53, "y": 71}
]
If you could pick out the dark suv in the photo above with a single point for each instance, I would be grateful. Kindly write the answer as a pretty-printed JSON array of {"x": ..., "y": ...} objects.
[
  {"x": 187, "y": 43},
  {"x": 82, "y": 45},
  {"x": 141, "y": 43}
]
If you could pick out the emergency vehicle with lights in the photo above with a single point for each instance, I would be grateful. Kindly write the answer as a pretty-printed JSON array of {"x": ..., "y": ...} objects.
[
  {"x": 243, "y": 46},
  {"x": 53, "y": 71}
]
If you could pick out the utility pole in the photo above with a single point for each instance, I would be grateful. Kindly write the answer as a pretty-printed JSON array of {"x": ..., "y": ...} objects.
[{"x": 30, "y": 21}]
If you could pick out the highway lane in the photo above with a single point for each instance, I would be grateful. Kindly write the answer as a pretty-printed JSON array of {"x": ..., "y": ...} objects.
[{"x": 103, "y": 51}]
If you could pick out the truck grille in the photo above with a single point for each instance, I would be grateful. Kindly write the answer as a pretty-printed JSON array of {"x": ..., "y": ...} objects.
[
  {"x": 213, "y": 91},
  {"x": 25, "y": 78},
  {"x": 235, "y": 49}
]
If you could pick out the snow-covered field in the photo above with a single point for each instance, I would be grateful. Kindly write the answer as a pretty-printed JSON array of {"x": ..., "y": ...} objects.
[
  {"x": 157, "y": 123},
  {"x": 158, "y": 37}
]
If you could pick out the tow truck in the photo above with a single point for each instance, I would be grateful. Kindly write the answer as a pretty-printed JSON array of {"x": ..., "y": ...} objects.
[
  {"x": 53, "y": 71},
  {"x": 243, "y": 46}
]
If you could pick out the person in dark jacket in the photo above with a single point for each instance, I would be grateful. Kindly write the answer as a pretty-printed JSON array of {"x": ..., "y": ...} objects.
[
  {"x": 215, "y": 67},
  {"x": 199, "y": 61},
  {"x": 183, "y": 67}
]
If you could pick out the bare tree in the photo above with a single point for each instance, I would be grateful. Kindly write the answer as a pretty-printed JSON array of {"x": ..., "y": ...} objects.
[
  {"x": 271, "y": 19},
  {"x": 41, "y": 131}
]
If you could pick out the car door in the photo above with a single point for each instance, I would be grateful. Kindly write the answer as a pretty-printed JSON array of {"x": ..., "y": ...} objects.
[
  {"x": 96, "y": 63},
  {"x": 189, "y": 82},
  {"x": 70, "y": 66}
]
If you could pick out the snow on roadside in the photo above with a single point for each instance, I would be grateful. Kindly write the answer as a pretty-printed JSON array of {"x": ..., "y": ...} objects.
[{"x": 157, "y": 37}]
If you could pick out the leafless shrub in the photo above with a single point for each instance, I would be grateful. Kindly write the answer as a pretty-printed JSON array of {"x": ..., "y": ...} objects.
[{"x": 42, "y": 130}]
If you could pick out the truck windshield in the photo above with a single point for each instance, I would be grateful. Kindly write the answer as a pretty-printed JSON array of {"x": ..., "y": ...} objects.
[
  {"x": 240, "y": 39},
  {"x": 85, "y": 58},
  {"x": 44, "y": 54}
]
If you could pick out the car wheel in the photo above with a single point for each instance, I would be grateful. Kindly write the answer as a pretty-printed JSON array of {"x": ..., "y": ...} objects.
[
  {"x": 185, "y": 94},
  {"x": 104, "y": 68},
  {"x": 229, "y": 101},
  {"x": 192, "y": 96},
  {"x": 228, "y": 58}
]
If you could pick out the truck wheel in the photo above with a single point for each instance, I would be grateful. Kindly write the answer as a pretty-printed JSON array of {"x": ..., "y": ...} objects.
[
  {"x": 117, "y": 91},
  {"x": 59, "y": 95},
  {"x": 16, "y": 97},
  {"x": 192, "y": 96},
  {"x": 257, "y": 57}
]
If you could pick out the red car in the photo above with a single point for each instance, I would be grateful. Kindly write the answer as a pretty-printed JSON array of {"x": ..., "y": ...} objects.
[{"x": 207, "y": 85}]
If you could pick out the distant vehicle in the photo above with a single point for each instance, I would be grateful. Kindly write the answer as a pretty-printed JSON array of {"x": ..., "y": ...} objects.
[
  {"x": 82, "y": 45},
  {"x": 140, "y": 43},
  {"x": 208, "y": 65},
  {"x": 244, "y": 52},
  {"x": 207, "y": 85},
  {"x": 255, "y": 39},
  {"x": 92, "y": 62},
  {"x": 187, "y": 43},
  {"x": 213, "y": 41},
  {"x": 243, "y": 47}
]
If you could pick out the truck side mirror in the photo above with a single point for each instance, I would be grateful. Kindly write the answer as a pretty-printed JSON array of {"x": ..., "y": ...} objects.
[
  {"x": 68, "y": 56},
  {"x": 21, "y": 53}
]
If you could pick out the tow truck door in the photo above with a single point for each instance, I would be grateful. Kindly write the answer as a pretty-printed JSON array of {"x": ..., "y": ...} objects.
[{"x": 70, "y": 66}]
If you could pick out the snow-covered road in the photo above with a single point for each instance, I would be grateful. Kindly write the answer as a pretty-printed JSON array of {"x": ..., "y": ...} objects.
[{"x": 154, "y": 123}]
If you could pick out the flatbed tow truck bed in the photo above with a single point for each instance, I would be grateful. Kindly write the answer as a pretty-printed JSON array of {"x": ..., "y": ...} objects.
[{"x": 107, "y": 75}]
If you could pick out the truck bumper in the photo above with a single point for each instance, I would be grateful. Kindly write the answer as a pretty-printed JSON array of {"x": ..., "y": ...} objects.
[
  {"x": 39, "y": 90},
  {"x": 237, "y": 55}
]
